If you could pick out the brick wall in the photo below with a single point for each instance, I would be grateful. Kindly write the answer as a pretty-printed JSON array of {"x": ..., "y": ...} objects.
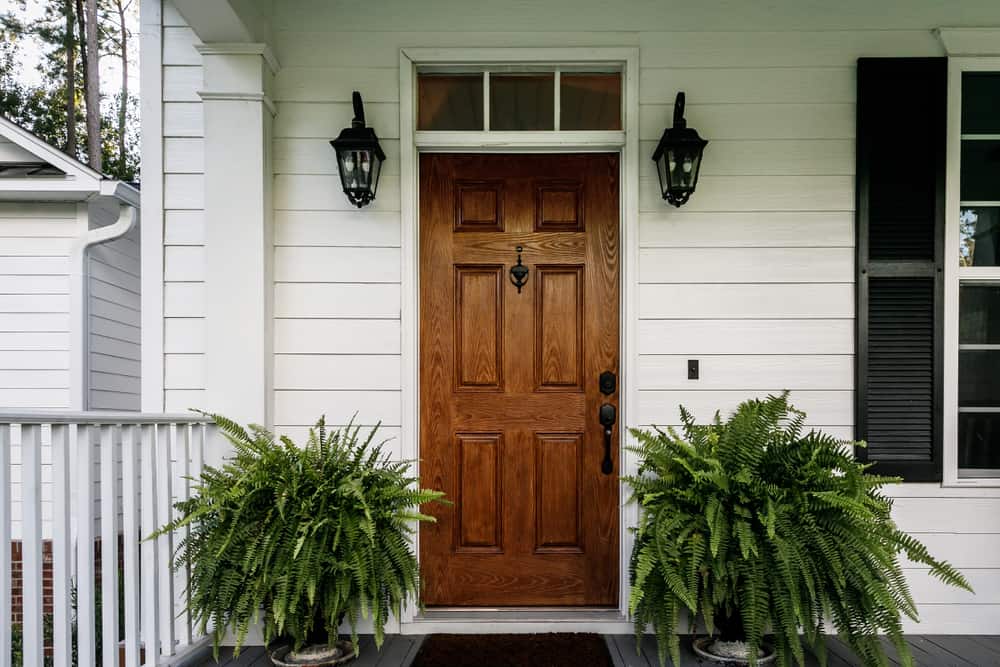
[{"x": 17, "y": 576}]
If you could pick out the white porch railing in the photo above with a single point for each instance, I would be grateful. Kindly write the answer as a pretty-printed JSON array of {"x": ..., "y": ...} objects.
[{"x": 73, "y": 478}]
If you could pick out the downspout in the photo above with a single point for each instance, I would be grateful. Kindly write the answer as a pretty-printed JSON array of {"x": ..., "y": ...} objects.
[{"x": 128, "y": 216}]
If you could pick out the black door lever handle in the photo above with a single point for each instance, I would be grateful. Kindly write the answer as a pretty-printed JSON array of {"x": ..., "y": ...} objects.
[{"x": 608, "y": 415}]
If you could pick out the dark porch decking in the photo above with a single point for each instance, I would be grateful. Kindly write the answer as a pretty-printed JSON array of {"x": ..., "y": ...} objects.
[{"x": 927, "y": 650}]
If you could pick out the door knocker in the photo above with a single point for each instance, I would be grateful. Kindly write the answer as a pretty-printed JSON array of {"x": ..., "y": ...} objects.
[{"x": 519, "y": 272}]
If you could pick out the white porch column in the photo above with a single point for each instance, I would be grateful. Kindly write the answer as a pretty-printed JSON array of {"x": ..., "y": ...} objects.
[{"x": 238, "y": 235}]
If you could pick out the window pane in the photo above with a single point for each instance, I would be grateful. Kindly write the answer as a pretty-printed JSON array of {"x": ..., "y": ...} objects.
[
  {"x": 979, "y": 378},
  {"x": 449, "y": 101},
  {"x": 981, "y": 170},
  {"x": 590, "y": 101},
  {"x": 522, "y": 101},
  {"x": 980, "y": 236},
  {"x": 979, "y": 315},
  {"x": 979, "y": 440},
  {"x": 980, "y": 101}
]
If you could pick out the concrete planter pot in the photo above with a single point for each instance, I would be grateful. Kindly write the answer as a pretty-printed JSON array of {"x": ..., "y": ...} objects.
[
  {"x": 314, "y": 655},
  {"x": 735, "y": 653}
]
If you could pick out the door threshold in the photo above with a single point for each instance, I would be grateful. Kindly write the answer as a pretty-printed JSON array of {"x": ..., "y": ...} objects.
[{"x": 519, "y": 620}]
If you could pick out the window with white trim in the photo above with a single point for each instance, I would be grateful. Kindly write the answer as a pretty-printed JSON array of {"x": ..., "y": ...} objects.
[
  {"x": 519, "y": 98},
  {"x": 976, "y": 281}
]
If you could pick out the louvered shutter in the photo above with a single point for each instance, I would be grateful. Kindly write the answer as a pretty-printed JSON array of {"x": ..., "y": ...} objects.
[{"x": 901, "y": 136}]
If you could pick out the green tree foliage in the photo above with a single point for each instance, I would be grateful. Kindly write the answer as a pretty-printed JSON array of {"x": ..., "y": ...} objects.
[
  {"x": 307, "y": 534},
  {"x": 755, "y": 519},
  {"x": 43, "y": 108}
]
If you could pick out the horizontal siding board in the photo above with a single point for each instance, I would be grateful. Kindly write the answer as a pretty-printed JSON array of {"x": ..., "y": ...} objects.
[
  {"x": 184, "y": 335},
  {"x": 179, "y": 46},
  {"x": 349, "y": 265},
  {"x": 319, "y": 48},
  {"x": 748, "y": 85},
  {"x": 183, "y": 119},
  {"x": 34, "y": 303},
  {"x": 182, "y": 400},
  {"x": 14, "y": 340},
  {"x": 110, "y": 310},
  {"x": 759, "y": 193},
  {"x": 316, "y": 156},
  {"x": 181, "y": 84},
  {"x": 834, "y": 408},
  {"x": 789, "y": 157},
  {"x": 751, "y": 301},
  {"x": 802, "y": 48},
  {"x": 184, "y": 155},
  {"x": 184, "y": 191},
  {"x": 337, "y": 228},
  {"x": 184, "y": 371},
  {"x": 307, "y": 192},
  {"x": 685, "y": 229},
  {"x": 115, "y": 383},
  {"x": 746, "y": 336},
  {"x": 36, "y": 247},
  {"x": 106, "y": 363},
  {"x": 184, "y": 227},
  {"x": 184, "y": 299},
  {"x": 18, "y": 285},
  {"x": 34, "y": 398},
  {"x": 748, "y": 372},
  {"x": 335, "y": 84},
  {"x": 33, "y": 379},
  {"x": 742, "y": 265},
  {"x": 936, "y": 515},
  {"x": 34, "y": 359},
  {"x": 753, "y": 121},
  {"x": 927, "y": 589},
  {"x": 184, "y": 263},
  {"x": 116, "y": 294},
  {"x": 337, "y": 336},
  {"x": 33, "y": 266},
  {"x": 336, "y": 300},
  {"x": 304, "y": 371},
  {"x": 325, "y": 120},
  {"x": 17, "y": 321},
  {"x": 43, "y": 212},
  {"x": 365, "y": 407}
]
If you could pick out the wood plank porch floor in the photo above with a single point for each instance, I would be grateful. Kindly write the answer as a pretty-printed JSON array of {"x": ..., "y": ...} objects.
[{"x": 927, "y": 650}]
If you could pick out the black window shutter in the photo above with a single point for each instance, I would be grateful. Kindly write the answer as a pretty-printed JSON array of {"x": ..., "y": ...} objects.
[{"x": 901, "y": 137}]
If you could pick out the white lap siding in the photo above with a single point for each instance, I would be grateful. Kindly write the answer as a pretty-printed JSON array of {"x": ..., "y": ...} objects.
[
  {"x": 754, "y": 276},
  {"x": 183, "y": 217}
]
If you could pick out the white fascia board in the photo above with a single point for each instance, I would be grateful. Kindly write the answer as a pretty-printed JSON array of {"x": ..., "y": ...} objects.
[{"x": 970, "y": 41}]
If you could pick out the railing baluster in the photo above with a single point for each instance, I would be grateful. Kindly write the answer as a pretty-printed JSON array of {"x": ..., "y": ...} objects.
[
  {"x": 130, "y": 539},
  {"x": 109, "y": 546},
  {"x": 31, "y": 544},
  {"x": 62, "y": 548},
  {"x": 164, "y": 543},
  {"x": 150, "y": 637},
  {"x": 5, "y": 503},
  {"x": 84, "y": 506},
  {"x": 182, "y": 491},
  {"x": 157, "y": 456}
]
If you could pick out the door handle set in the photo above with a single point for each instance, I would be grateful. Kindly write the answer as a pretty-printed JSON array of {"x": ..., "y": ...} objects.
[{"x": 607, "y": 415}]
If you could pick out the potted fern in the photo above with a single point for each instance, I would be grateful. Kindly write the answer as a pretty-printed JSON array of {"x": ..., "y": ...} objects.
[
  {"x": 304, "y": 536},
  {"x": 752, "y": 525}
]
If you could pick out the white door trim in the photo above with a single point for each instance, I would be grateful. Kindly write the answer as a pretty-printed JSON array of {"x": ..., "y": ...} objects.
[{"x": 627, "y": 144}]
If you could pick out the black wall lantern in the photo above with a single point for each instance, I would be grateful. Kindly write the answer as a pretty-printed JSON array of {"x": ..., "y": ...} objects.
[
  {"x": 678, "y": 157},
  {"x": 359, "y": 157}
]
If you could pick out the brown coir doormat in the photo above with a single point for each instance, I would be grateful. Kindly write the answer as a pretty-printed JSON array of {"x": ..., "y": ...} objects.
[{"x": 541, "y": 650}]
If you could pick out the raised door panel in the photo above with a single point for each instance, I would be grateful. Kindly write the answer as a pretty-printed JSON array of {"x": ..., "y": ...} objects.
[
  {"x": 559, "y": 320},
  {"x": 478, "y": 328},
  {"x": 479, "y": 206},
  {"x": 559, "y": 206},
  {"x": 480, "y": 500},
  {"x": 557, "y": 492}
]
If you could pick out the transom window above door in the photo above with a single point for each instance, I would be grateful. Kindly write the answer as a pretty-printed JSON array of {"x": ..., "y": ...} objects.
[{"x": 518, "y": 99}]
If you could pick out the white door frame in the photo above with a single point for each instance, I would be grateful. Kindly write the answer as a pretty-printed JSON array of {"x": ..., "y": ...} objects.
[{"x": 626, "y": 143}]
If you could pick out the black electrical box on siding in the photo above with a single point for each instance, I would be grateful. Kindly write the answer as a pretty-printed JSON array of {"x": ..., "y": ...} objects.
[{"x": 900, "y": 209}]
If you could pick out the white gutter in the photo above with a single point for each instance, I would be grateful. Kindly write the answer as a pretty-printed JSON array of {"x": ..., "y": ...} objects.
[{"x": 128, "y": 216}]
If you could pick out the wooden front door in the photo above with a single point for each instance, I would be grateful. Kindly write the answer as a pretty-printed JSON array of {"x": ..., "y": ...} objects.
[{"x": 510, "y": 390}]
